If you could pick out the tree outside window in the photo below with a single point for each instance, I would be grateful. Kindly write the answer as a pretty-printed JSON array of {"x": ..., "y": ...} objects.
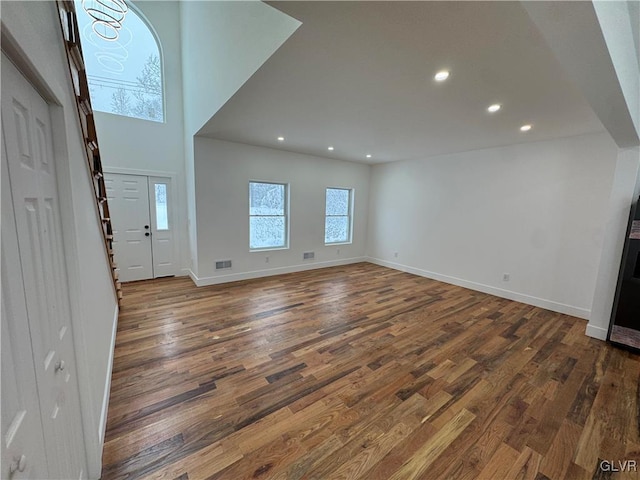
[{"x": 125, "y": 74}]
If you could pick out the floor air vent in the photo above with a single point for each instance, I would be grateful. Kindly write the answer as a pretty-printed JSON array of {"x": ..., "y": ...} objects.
[
  {"x": 221, "y": 264},
  {"x": 308, "y": 255}
]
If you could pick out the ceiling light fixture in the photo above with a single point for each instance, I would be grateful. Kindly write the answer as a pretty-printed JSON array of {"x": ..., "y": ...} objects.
[
  {"x": 441, "y": 76},
  {"x": 330, "y": 149},
  {"x": 494, "y": 108},
  {"x": 368, "y": 155},
  {"x": 107, "y": 17},
  {"x": 281, "y": 139},
  {"x": 525, "y": 128}
]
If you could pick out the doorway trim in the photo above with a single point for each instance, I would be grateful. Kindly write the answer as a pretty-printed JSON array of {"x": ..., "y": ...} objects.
[{"x": 173, "y": 208}]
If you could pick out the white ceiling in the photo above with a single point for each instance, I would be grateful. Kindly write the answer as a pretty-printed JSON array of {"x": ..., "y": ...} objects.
[{"x": 359, "y": 76}]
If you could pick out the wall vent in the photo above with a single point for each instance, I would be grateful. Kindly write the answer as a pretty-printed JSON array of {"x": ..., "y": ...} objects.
[
  {"x": 308, "y": 255},
  {"x": 221, "y": 264}
]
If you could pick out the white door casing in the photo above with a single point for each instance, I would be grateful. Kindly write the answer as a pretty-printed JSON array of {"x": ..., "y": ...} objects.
[
  {"x": 33, "y": 185},
  {"x": 143, "y": 246}
]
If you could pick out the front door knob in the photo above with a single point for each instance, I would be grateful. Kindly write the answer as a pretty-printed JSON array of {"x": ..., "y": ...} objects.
[
  {"x": 60, "y": 366},
  {"x": 147, "y": 234},
  {"x": 18, "y": 464},
  {"x": 146, "y": 226}
]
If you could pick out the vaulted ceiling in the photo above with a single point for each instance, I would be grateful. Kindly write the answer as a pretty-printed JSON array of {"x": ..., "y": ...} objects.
[{"x": 359, "y": 76}]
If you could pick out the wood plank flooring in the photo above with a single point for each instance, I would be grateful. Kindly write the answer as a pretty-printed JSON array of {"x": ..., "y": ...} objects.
[{"x": 361, "y": 372}]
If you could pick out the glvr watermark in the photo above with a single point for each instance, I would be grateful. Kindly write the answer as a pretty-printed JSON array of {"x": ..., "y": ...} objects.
[{"x": 619, "y": 465}]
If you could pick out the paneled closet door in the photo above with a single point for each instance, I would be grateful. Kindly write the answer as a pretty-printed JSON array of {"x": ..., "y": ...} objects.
[
  {"x": 33, "y": 185},
  {"x": 23, "y": 454}
]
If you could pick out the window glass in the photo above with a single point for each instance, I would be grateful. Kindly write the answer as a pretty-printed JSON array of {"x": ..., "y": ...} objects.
[
  {"x": 162, "y": 216},
  {"x": 336, "y": 230},
  {"x": 267, "y": 215},
  {"x": 122, "y": 60},
  {"x": 337, "y": 201},
  {"x": 337, "y": 225}
]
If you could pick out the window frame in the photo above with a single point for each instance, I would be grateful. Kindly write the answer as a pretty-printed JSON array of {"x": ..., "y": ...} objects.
[
  {"x": 349, "y": 216},
  {"x": 91, "y": 75},
  {"x": 155, "y": 205},
  {"x": 285, "y": 246}
]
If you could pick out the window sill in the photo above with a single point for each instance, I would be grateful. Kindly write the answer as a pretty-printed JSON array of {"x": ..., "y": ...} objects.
[
  {"x": 337, "y": 243},
  {"x": 267, "y": 249}
]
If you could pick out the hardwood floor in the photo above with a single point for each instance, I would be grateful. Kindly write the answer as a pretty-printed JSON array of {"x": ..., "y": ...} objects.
[{"x": 361, "y": 372}]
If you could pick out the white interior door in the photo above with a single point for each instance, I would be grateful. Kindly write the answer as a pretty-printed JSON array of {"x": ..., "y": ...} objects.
[
  {"x": 142, "y": 220},
  {"x": 33, "y": 185},
  {"x": 22, "y": 437},
  {"x": 128, "y": 197}
]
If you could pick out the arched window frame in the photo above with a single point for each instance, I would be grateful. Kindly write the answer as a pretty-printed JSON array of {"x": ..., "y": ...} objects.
[{"x": 90, "y": 47}]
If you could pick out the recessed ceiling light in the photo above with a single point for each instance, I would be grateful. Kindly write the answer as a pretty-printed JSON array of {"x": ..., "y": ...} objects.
[
  {"x": 281, "y": 139},
  {"x": 330, "y": 149},
  {"x": 494, "y": 108},
  {"x": 368, "y": 155},
  {"x": 525, "y": 128},
  {"x": 441, "y": 76}
]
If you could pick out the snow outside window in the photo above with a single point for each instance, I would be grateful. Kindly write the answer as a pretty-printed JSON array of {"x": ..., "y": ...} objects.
[
  {"x": 122, "y": 60},
  {"x": 162, "y": 215},
  {"x": 267, "y": 215},
  {"x": 337, "y": 223}
]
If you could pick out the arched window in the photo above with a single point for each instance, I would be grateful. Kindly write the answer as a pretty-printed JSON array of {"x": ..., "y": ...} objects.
[{"x": 122, "y": 59}]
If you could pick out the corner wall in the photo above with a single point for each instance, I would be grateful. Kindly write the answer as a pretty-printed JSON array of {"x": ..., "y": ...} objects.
[
  {"x": 625, "y": 190},
  {"x": 34, "y": 28},
  {"x": 135, "y": 146},
  {"x": 222, "y": 174},
  {"x": 596, "y": 42},
  {"x": 535, "y": 211},
  {"x": 223, "y": 44}
]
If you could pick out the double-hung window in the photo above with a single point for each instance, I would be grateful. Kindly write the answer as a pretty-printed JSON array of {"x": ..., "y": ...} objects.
[
  {"x": 338, "y": 215},
  {"x": 268, "y": 215}
]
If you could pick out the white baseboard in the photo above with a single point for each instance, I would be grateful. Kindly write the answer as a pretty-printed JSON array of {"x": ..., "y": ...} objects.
[
  {"x": 234, "y": 277},
  {"x": 193, "y": 276},
  {"x": 107, "y": 387},
  {"x": 498, "y": 292},
  {"x": 596, "y": 332}
]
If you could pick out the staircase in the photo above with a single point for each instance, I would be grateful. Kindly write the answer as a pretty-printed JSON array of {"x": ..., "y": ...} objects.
[{"x": 71, "y": 35}]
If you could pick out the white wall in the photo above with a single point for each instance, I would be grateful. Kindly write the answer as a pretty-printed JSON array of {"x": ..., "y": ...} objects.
[
  {"x": 535, "y": 211},
  {"x": 93, "y": 301},
  {"x": 579, "y": 39},
  {"x": 625, "y": 190},
  {"x": 616, "y": 24},
  {"x": 132, "y": 145},
  {"x": 596, "y": 42},
  {"x": 223, "y": 44},
  {"x": 223, "y": 171}
]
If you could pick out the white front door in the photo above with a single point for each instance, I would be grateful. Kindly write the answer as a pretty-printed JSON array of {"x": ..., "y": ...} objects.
[
  {"x": 140, "y": 209},
  {"x": 26, "y": 128},
  {"x": 128, "y": 197},
  {"x": 160, "y": 199}
]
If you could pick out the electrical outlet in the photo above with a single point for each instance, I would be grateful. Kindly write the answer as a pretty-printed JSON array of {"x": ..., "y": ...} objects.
[
  {"x": 506, "y": 277},
  {"x": 266, "y": 259},
  {"x": 338, "y": 252},
  {"x": 395, "y": 254}
]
